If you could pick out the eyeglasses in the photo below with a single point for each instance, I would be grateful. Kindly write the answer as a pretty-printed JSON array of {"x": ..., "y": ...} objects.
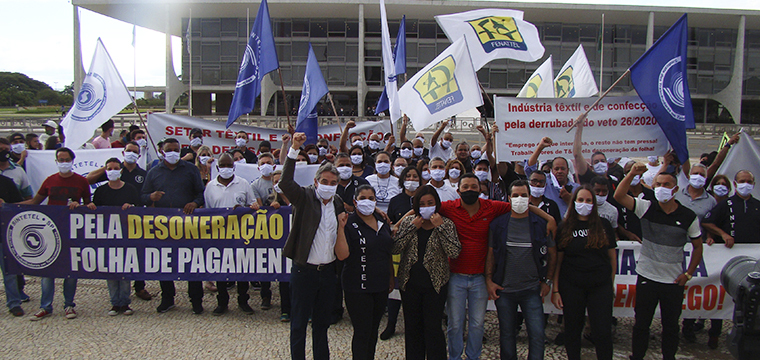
[{"x": 537, "y": 182}]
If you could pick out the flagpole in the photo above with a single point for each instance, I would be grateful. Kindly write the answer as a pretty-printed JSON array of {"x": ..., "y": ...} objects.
[
  {"x": 284, "y": 99},
  {"x": 248, "y": 31},
  {"x": 601, "y": 57},
  {"x": 190, "y": 52},
  {"x": 134, "y": 62},
  {"x": 329, "y": 96},
  {"x": 583, "y": 116},
  {"x": 484, "y": 92}
]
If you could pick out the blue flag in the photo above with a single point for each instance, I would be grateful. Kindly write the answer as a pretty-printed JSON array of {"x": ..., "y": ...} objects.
[
  {"x": 659, "y": 77},
  {"x": 399, "y": 59},
  {"x": 260, "y": 58},
  {"x": 314, "y": 88}
]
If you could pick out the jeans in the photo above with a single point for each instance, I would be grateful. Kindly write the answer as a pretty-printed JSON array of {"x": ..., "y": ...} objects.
[
  {"x": 467, "y": 296},
  {"x": 365, "y": 309},
  {"x": 670, "y": 297},
  {"x": 423, "y": 313},
  {"x": 48, "y": 292},
  {"x": 10, "y": 282},
  {"x": 312, "y": 294},
  {"x": 533, "y": 313},
  {"x": 119, "y": 291},
  {"x": 578, "y": 298}
]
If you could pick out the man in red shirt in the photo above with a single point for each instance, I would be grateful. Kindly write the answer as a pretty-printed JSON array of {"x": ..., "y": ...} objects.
[
  {"x": 467, "y": 285},
  {"x": 62, "y": 188}
]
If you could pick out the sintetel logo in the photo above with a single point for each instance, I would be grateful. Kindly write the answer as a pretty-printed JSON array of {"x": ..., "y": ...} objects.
[{"x": 33, "y": 239}]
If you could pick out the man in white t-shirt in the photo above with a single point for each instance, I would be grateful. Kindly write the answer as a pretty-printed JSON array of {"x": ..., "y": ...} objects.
[
  {"x": 442, "y": 148},
  {"x": 437, "y": 167}
]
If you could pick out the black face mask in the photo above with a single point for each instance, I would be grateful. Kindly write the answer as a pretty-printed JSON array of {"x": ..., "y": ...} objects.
[
  {"x": 470, "y": 197},
  {"x": 5, "y": 155}
]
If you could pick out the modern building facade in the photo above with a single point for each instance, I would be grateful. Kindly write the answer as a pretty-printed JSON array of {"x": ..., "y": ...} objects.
[{"x": 723, "y": 59}]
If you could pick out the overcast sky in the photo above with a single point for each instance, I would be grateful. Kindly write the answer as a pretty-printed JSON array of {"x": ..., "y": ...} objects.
[{"x": 36, "y": 37}]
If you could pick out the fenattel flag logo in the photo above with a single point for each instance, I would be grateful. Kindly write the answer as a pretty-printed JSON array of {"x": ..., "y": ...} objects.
[
  {"x": 533, "y": 85},
  {"x": 564, "y": 87},
  {"x": 438, "y": 87},
  {"x": 498, "y": 32}
]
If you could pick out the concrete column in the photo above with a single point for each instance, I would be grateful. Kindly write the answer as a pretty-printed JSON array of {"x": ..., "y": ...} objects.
[
  {"x": 650, "y": 30},
  {"x": 174, "y": 87},
  {"x": 731, "y": 96},
  {"x": 78, "y": 67},
  {"x": 268, "y": 88},
  {"x": 361, "y": 84}
]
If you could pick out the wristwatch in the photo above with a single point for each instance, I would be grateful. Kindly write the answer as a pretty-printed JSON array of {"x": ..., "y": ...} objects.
[
  {"x": 688, "y": 277},
  {"x": 548, "y": 281}
]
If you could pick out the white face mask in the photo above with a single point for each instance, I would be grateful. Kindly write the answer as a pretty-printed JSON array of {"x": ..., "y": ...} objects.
[
  {"x": 720, "y": 190},
  {"x": 18, "y": 148},
  {"x": 226, "y": 172},
  {"x": 64, "y": 167},
  {"x": 322, "y": 151},
  {"x": 445, "y": 144},
  {"x": 113, "y": 175},
  {"x": 583, "y": 209},
  {"x": 406, "y": 153},
  {"x": 536, "y": 192},
  {"x": 241, "y": 161},
  {"x": 482, "y": 175},
  {"x": 397, "y": 170},
  {"x": 663, "y": 194},
  {"x": 437, "y": 174},
  {"x": 418, "y": 151},
  {"x": 483, "y": 196},
  {"x": 600, "y": 199},
  {"x": 476, "y": 154},
  {"x": 204, "y": 159},
  {"x": 600, "y": 168},
  {"x": 611, "y": 161},
  {"x": 365, "y": 206},
  {"x": 358, "y": 143},
  {"x": 520, "y": 204},
  {"x": 142, "y": 143},
  {"x": 652, "y": 159},
  {"x": 130, "y": 157},
  {"x": 426, "y": 175},
  {"x": 636, "y": 180},
  {"x": 454, "y": 173},
  {"x": 374, "y": 145},
  {"x": 195, "y": 142},
  {"x": 172, "y": 157},
  {"x": 313, "y": 158},
  {"x": 357, "y": 159},
  {"x": 383, "y": 168},
  {"x": 266, "y": 169},
  {"x": 427, "y": 211},
  {"x": 420, "y": 138},
  {"x": 744, "y": 189},
  {"x": 240, "y": 142},
  {"x": 697, "y": 181},
  {"x": 411, "y": 185},
  {"x": 326, "y": 192},
  {"x": 345, "y": 172}
]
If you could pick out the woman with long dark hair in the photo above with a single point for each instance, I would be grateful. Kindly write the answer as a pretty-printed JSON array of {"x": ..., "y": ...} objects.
[
  {"x": 586, "y": 262},
  {"x": 426, "y": 241}
]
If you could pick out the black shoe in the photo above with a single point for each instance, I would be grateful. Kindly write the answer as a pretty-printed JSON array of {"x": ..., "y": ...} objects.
[
  {"x": 218, "y": 311},
  {"x": 689, "y": 336},
  {"x": 165, "y": 306},
  {"x": 266, "y": 304},
  {"x": 245, "y": 308},
  {"x": 699, "y": 325},
  {"x": 197, "y": 308},
  {"x": 388, "y": 333},
  {"x": 560, "y": 339},
  {"x": 17, "y": 311}
]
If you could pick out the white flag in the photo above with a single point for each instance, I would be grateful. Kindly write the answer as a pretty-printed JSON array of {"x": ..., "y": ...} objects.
[
  {"x": 575, "y": 79},
  {"x": 102, "y": 95},
  {"x": 494, "y": 34},
  {"x": 446, "y": 86},
  {"x": 389, "y": 66},
  {"x": 540, "y": 84}
]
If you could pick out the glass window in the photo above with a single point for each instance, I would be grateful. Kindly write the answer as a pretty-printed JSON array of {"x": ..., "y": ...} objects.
[
  {"x": 498, "y": 79},
  {"x": 210, "y": 27},
  {"x": 320, "y": 51},
  {"x": 229, "y": 49},
  {"x": 300, "y": 27},
  {"x": 426, "y": 53},
  {"x": 622, "y": 34},
  {"x": 570, "y": 34},
  {"x": 336, "y": 27},
  {"x": 483, "y": 76},
  {"x": 373, "y": 75},
  {"x": 372, "y": 27},
  {"x": 352, "y": 75},
  {"x": 210, "y": 76},
  {"x": 352, "y": 53},
  {"x": 589, "y": 33},
  {"x": 229, "y": 26},
  {"x": 428, "y": 30},
  {"x": 210, "y": 53},
  {"x": 243, "y": 29},
  {"x": 282, "y": 28},
  {"x": 516, "y": 78},
  {"x": 705, "y": 37},
  {"x": 553, "y": 32},
  {"x": 318, "y": 29},
  {"x": 283, "y": 52},
  {"x": 300, "y": 50},
  {"x": 411, "y": 51},
  {"x": 411, "y": 28},
  {"x": 704, "y": 85},
  {"x": 639, "y": 35},
  {"x": 352, "y": 29},
  {"x": 230, "y": 72},
  {"x": 287, "y": 75},
  {"x": 336, "y": 75}
]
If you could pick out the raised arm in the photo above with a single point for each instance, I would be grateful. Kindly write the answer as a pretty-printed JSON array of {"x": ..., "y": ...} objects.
[
  {"x": 288, "y": 185},
  {"x": 402, "y": 130},
  {"x": 93, "y": 176},
  {"x": 438, "y": 133},
  {"x": 284, "y": 148},
  {"x": 621, "y": 193},
  {"x": 722, "y": 156},
  {"x": 581, "y": 165},
  {"x": 545, "y": 143},
  {"x": 344, "y": 136}
]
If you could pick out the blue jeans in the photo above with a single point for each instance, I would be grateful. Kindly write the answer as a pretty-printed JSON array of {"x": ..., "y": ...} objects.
[
  {"x": 467, "y": 295},
  {"x": 119, "y": 291},
  {"x": 533, "y": 313},
  {"x": 12, "y": 294},
  {"x": 48, "y": 292}
]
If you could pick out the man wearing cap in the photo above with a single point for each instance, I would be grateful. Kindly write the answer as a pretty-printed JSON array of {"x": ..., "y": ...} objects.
[
  {"x": 50, "y": 127},
  {"x": 196, "y": 140},
  {"x": 18, "y": 148}
]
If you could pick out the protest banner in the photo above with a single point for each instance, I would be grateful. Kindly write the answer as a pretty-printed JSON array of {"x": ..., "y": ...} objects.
[
  {"x": 146, "y": 243},
  {"x": 220, "y": 139},
  {"x": 617, "y": 126},
  {"x": 41, "y": 163}
]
